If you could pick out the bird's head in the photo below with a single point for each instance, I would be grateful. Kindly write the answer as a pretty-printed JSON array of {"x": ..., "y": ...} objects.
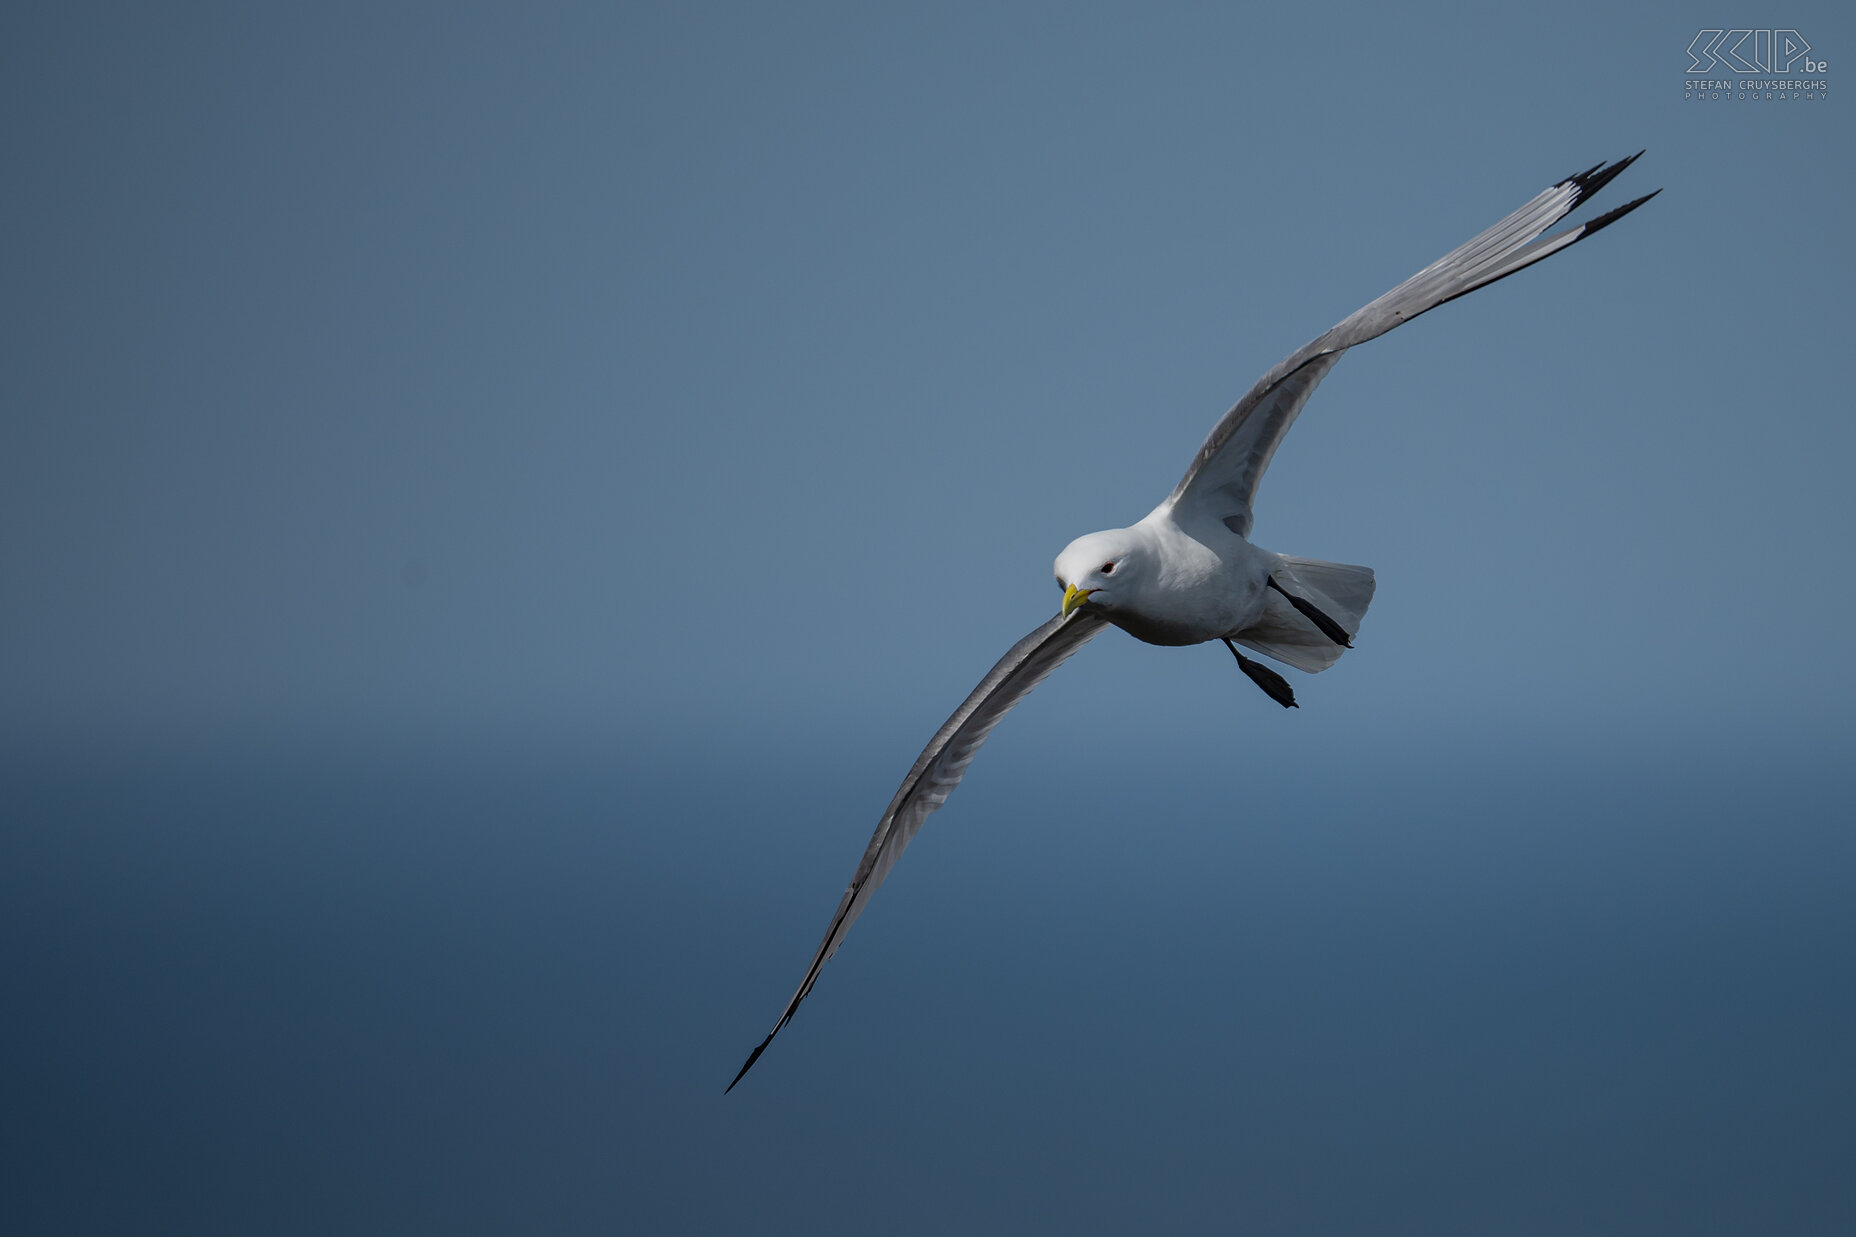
[{"x": 1102, "y": 569}]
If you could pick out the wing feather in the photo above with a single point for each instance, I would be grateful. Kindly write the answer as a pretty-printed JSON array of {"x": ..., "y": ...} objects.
[
  {"x": 935, "y": 774},
  {"x": 1222, "y": 482}
]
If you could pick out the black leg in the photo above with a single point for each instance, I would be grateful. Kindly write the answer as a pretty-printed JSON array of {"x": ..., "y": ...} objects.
[
  {"x": 1329, "y": 628},
  {"x": 1274, "y": 685}
]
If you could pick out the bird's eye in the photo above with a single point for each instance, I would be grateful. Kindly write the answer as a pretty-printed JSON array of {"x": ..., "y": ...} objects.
[{"x": 1108, "y": 569}]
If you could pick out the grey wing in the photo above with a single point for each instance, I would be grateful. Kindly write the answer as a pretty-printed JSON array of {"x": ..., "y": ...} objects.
[
  {"x": 935, "y": 774},
  {"x": 1222, "y": 482}
]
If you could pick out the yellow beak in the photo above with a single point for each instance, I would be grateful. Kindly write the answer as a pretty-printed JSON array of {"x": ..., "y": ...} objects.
[{"x": 1074, "y": 597}]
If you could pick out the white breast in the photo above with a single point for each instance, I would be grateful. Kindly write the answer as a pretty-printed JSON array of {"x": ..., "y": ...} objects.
[{"x": 1207, "y": 586}]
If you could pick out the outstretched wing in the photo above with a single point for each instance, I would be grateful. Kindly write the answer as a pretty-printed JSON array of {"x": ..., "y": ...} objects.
[
  {"x": 1222, "y": 482},
  {"x": 935, "y": 774}
]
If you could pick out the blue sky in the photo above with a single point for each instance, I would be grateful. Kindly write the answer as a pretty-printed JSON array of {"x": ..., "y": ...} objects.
[{"x": 551, "y": 469}]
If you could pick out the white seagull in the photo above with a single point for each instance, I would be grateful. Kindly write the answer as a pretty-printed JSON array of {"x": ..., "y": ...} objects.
[{"x": 1186, "y": 573}]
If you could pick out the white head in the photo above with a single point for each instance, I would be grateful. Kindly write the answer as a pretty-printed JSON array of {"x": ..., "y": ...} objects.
[{"x": 1103, "y": 569}]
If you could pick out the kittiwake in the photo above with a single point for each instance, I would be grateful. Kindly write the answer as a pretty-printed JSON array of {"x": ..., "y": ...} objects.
[{"x": 1187, "y": 573}]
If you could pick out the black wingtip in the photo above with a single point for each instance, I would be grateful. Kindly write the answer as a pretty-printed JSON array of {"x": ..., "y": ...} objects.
[
  {"x": 1612, "y": 216},
  {"x": 1576, "y": 177},
  {"x": 1597, "y": 177},
  {"x": 752, "y": 1057}
]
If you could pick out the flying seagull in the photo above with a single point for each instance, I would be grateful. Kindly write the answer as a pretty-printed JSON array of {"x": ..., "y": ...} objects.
[{"x": 1186, "y": 573}]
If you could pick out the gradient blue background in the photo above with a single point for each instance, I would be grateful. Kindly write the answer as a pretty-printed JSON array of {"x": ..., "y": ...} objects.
[{"x": 491, "y": 500}]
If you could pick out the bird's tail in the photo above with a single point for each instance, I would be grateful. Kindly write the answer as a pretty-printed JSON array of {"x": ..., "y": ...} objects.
[{"x": 1339, "y": 591}]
